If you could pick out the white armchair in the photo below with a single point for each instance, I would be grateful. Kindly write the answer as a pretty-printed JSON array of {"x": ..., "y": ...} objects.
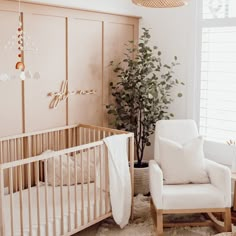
[{"x": 209, "y": 198}]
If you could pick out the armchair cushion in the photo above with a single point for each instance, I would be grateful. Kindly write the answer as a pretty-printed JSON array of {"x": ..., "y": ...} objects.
[
  {"x": 192, "y": 196},
  {"x": 182, "y": 163}
]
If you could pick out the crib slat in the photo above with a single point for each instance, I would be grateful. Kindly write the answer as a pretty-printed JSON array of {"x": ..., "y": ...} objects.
[
  {"x": 47, "y": 141},
  {"x": 69, "y": 138},
  {"x": 1, "y": 153},
  {"x": 50, "y": 142},
  {"x": 76, "y": 181},
  {"x": 131, "y": 159},
  {"x": 33, "y": 146},
  {"x": 2, "y": 223},
  {"x": 88, "y": 182},
  {"x": 95, "y": 183},
  {"x": 29, "y": 199},
  {"x": 68, "y": 187},
  {"x": 8, "y": 156},
  {"x": 58, "y": 141},
  {"x": 45, "y": 144},
  {"x": 84, "y": 136},
  {"x": 11, "y": 200},
  {"x": 94, "y": 135},
  {"x": 82, "y": 188},
  {"x": 22, "y": 157},
  {"x": 8, "y": 151},
  {"x": 99, "y": 135},
  {"x": 41, "y": 143},
  {"x": 54, "y": 141},
  {"x": 21, "y": 202},
  {"x": 15, "y": 169},
  {"x": 53, "y": 196},
  {"x": 15, "y": 150},
  {"x": 80, "y": 136},
  {"x": 74, "y": 137},
  {"x": 61, "y": 191},
  {"x": 46, "y": 194},
  {"x": 65, "y": 137},
  {"x": 89, "y": 136},
  {"x": 106, "y": 179},
  {"x": 77, "y": 135},
  {"x": 38, "y": 195},
  {"x": 101, "y": 175},
  {"x": 39, "y": 150}
]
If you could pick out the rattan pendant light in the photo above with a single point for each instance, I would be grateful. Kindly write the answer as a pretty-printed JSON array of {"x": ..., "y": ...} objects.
[{"x": 160, "y": 3}]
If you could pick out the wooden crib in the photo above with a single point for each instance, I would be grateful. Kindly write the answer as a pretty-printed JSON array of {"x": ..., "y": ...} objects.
[{"x": 57, "y": 192}]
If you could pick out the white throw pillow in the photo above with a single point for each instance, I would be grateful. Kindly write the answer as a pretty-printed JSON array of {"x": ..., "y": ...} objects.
[
  {"x": 65, "y": 174},
  {"x": 183, "y": 163}
]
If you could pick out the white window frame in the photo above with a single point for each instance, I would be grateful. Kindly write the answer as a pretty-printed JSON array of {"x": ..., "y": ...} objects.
[{"x": 219, "y": 152}]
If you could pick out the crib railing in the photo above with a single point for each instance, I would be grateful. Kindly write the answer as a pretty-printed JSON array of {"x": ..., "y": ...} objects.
[{"x": 59, "y": 192}]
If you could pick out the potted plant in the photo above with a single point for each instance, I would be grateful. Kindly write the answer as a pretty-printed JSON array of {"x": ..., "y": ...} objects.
[{"x": 142, "y": 95}]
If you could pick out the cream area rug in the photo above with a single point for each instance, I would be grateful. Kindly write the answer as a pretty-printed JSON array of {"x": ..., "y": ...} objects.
[{"x": 143, "y": 224}]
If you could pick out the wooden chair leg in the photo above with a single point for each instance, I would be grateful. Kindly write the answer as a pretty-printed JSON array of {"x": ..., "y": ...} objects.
[
  {"x": 153, "y": 213},
  {"x": 159, "y": 216},
  {"x": 227, "y": 220}
]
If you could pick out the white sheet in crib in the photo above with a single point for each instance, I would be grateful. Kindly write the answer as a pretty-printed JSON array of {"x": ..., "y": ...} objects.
[{"x": 34, "y": 212}]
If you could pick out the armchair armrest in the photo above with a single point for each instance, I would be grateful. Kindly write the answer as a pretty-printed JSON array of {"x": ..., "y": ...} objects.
[
  {"x": 220, "y": 177},
  {"x": 156, "y": 183}
]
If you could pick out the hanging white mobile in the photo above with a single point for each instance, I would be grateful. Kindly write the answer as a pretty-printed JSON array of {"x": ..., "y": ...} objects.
[{"x": 22, "y": 42}]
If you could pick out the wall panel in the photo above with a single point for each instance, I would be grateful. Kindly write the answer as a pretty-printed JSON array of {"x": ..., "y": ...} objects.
[
  {"x": 48, "y": 35},
  {"x": 10, "y": 91},
  {"x": 115, "y": 37},
  {"x": 85, "y": 70}
]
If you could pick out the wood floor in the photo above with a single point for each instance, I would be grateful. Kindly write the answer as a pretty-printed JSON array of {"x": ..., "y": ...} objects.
[{"x": 91, "y": 231}]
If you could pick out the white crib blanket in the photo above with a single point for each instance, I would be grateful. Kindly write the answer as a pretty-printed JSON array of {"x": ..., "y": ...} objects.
[{"x": 119, "y": 177}]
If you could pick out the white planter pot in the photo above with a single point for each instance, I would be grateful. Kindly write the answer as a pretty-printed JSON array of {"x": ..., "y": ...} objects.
[{"x": 141, "y": 180}]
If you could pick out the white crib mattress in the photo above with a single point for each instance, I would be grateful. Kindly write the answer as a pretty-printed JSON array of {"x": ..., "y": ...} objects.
[{"x": 89, "y": 212}]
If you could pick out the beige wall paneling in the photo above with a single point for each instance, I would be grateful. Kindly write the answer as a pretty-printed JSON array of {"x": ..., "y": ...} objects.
[
  {"x": 81, "y": 56},
  {"x": 10, "y": 91},
  {"x": 49, "y": 35},
  {"x": 85, "y": 70},
  {"x": 116, "y": 35}
]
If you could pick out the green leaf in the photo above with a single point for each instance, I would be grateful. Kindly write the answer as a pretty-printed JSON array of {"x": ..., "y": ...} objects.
[
  {"x": 166, "y": 66},
  {"x": 180, "y": 95}
]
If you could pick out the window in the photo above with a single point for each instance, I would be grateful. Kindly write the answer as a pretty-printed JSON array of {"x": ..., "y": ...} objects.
[
  {"x": 218, "y": 9},
  {"x": 218, "y": 70}
]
